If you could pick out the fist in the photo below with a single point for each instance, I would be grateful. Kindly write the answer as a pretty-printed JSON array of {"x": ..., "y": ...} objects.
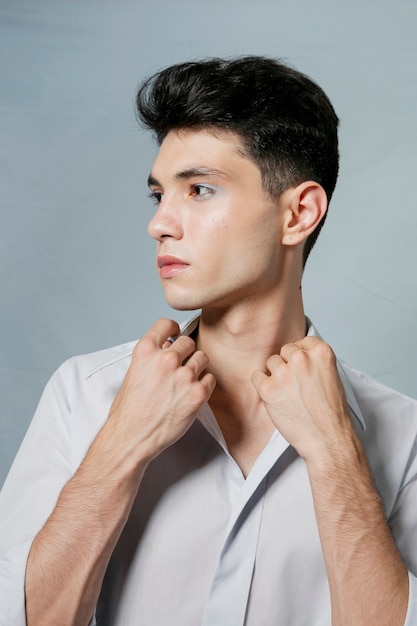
[
  {"x": 304, "y": 397},
  {"x": 163, "y": 390}
]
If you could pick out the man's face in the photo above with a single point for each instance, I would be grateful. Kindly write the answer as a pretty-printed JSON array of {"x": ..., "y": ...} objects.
[{"x": 217, "y": 231}]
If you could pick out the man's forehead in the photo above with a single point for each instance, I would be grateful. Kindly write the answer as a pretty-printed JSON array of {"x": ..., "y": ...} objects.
[{"x": 198, "y": 152}]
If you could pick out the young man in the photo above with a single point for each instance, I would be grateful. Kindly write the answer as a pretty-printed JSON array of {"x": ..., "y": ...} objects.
[{"x": 232, "y": 472}]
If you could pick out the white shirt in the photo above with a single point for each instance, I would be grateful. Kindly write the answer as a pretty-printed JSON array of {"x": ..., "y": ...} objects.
[{"x": 203, "y": 546}]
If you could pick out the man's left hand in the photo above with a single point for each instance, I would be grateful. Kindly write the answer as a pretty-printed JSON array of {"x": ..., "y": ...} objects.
[{"x": 305, "y": 399}]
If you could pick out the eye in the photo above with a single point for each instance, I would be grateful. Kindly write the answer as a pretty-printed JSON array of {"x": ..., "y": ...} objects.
[
  {"x": 156, "y": 196},
  {"x": 202, "y": 191}
]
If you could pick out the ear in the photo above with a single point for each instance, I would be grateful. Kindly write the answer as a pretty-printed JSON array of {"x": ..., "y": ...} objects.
[{"x": 304, "y": 208}]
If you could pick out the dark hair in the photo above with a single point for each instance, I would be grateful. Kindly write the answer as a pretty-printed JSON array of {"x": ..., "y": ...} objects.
[{"x": 286, "y": 123}]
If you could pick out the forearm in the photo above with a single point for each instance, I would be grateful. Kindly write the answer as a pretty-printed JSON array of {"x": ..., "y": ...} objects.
[
  {"x": 306, "y": 401},
  {"x": 367, "y": 578},
  {"x": 69, "y": 556},
  {"x": 158, "y": 400}
]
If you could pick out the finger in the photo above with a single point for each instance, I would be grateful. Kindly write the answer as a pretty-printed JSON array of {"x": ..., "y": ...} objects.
[
  {"x": 307, "y": 343},
  {"x": 288, "y": 350},
  {"x": 198, "y": 362},
  {"x": 209, "y": 382},
  {"x": 161, "y": 330},
  {"x": 184, "y": 346},
  {"x": 258, "y": 376},
  {"x": 318, "y": 349},
  {"x": 274, "y": 361}
]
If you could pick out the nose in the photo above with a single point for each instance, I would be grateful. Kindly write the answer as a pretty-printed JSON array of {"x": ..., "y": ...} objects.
[{"x": 165, "y": 223}]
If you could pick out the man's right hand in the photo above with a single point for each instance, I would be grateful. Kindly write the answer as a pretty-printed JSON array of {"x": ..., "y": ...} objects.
[
  {"x": 158, "y": 400},
  {"x": 162, "y": 392}
]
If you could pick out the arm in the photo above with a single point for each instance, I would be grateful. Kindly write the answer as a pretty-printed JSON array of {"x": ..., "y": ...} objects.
[
  {"x": 155, "y": 406},
  {"x": 306, "y": 401}
]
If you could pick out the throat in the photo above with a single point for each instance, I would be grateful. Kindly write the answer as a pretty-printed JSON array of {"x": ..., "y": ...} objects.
[{"x": 246, "y": 428}]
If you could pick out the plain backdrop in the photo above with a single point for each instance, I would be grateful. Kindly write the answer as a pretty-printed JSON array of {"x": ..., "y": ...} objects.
[{"x": 76, "y": 265}]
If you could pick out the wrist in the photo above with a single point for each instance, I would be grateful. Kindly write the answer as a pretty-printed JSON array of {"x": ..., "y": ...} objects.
[
  {"x": 333, "y": 458},
  {"x": 116, "y": 457}
]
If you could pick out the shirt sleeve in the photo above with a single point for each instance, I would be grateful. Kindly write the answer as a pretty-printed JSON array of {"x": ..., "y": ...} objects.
[
  {"x": 411, "y": 618},
  {"x": 40, "y": 470},
  {"x": 403, "y": 524},
  {"x": 12, "y": 568}
]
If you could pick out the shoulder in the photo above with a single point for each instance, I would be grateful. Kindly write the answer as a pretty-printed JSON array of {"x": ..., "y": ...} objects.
[
  {"x": 76, "y": 401},
  {"x": 110, "y": 361},
  {"x": 376, "y": 399},
  {"x": 87, "y": 382},
  {"x": 94, "y": 364},
  {"x": 389, "y": 435},
  {"x": 371, "y": 401}
]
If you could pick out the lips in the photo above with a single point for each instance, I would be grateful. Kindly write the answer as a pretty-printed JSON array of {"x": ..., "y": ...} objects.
[{"x": 170, "y": 265}]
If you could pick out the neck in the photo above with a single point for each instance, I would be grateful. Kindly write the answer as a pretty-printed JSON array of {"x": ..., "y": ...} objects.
[{"x": 240, "y": 339}]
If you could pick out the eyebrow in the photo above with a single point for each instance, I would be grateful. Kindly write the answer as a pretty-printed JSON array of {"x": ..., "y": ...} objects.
[{"x": 191, "y": 172}]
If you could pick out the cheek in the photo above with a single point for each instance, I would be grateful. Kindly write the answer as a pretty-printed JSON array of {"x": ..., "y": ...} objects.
[
  {"x": 213, "y": 232},
  {"x": 263, "y": 249}
]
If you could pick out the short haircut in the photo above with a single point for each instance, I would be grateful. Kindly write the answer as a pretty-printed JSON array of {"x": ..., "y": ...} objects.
[{"x": 285, "y": 121}]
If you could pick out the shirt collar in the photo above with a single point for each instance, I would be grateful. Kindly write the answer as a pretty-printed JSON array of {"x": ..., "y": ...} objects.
[
  {"x": 350, "y": 395},
  {"x": 190, "y": 325}
]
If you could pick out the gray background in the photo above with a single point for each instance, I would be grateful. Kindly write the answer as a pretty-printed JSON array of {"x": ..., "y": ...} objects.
[{"x": 76, "y": 266}]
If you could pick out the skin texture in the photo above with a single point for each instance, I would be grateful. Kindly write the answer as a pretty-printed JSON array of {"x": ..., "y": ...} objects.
[
  {"x": 69, "y": 556},
  {"x": 225, "y": 246},
  {"x": 199, "y": 233},
  {"x": 367, "y": 578}
]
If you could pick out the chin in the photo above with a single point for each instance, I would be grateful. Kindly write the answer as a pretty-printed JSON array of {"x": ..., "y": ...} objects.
[
  {"x": 180, "y": 307},
  {"x": 187, "y": 300},
  {"x": 183, "y": 304},
  {"x": 181, "y": 299}
]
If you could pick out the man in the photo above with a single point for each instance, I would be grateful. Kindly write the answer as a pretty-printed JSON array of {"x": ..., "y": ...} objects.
[{"x": 233, "y": 471}]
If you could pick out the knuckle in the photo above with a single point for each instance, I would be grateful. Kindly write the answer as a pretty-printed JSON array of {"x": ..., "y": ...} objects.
[
  {"x": 298, "y": 357},
  {"x": 144, "y": 346},
  {"x": 167, "y": 323},
  {"x": 202, "y": 358},
  {"x": 265, "y": 387},
  {"x": 137, "y": 349},
  {"x": 325, "y": 351},
  {"x": 187, "y": 374},
  {"x": 199, "y": 393},
  {"x": 274, "y": 359},
  {"x": 184, "y": 342},
  {"x": 169, "y": 359}
]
